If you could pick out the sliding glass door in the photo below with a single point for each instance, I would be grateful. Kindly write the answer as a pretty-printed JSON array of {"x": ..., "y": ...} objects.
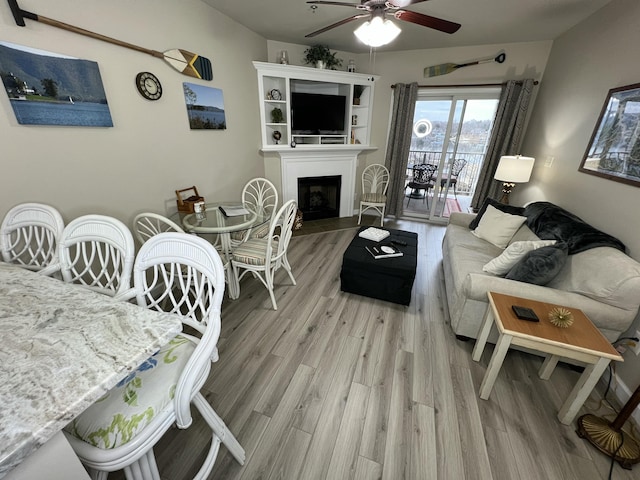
[{"x": 451, "y": 129}]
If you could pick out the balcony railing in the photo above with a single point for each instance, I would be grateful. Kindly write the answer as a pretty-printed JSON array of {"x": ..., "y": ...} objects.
[{"x": 468, "y": 176}]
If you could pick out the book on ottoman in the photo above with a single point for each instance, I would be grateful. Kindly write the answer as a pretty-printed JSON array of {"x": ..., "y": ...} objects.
[{"x": 384, "y": 251}]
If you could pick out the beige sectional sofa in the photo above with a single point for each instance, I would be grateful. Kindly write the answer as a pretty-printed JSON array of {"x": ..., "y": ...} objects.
[{"x": 603, "y": 281}]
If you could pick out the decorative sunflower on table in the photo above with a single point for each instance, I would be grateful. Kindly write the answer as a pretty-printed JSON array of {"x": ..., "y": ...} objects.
[{"x": 561, "y": 317}]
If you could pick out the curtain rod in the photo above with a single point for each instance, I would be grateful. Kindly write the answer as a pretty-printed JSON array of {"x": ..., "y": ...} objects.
[{"x": 464, "y": 85}]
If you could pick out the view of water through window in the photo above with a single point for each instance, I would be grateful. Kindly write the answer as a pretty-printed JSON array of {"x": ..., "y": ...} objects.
[{"x": 452, "y": 133}]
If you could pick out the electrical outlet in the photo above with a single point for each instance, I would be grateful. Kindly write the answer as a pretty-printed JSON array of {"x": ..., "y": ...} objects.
[{"x": 636, "y": 348}]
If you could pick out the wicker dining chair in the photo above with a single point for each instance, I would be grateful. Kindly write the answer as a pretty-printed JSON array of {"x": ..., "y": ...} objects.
[
  {"x": 375, "y": 182},
  {"x": 175, "y": 273},
  {"x": 148, "y": 224},
  {"x": 29, "y": 236},
  {"x": 97, "y": 252}
]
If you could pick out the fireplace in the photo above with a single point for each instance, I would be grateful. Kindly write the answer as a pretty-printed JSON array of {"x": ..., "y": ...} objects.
[
  {"x": 323, "y": 161},
  {"x": 319, "y": 197}
]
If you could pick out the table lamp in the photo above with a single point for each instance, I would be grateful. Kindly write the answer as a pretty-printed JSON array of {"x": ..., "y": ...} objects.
[{"x": 513, "y": 169}]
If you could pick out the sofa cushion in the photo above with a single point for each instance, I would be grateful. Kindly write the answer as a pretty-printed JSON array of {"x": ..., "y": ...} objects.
[
  {"x": 603, "y": 274},
  {"x": 497, "y": 227},
  {"x": 550, "y": 222},
  {"x": 503, "y": 207},
  {"x": 524, "y": 234},
  {"x": 512, "y": 255},
  {"x": 468, "y": 254},
  {"x": 540, "y": 266}
]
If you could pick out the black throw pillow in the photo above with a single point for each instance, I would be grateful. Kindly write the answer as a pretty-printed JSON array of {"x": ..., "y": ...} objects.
[
  {"x": 540, "y": 266},
  {"x": 510, "y": 209}
]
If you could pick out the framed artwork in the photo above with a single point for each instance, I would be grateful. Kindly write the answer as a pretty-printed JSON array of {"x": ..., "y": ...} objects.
[
  {"x": 46, "y": 88},
  {"x": 614, "y": 148},
  {"x": 205, "y": 107}
]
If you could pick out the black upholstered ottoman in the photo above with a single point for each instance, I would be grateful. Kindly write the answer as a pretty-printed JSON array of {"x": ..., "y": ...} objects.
[{"x": 389, "y": 279}]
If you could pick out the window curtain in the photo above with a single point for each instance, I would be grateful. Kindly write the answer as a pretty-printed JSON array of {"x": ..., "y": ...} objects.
[
  {"x": 506, "y": 136},
  {"x": 399, "y": 144}
]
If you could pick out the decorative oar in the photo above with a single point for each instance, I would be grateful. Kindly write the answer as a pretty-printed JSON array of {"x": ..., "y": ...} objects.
[
  {"x": 445, "y": 68},
  {"x": 185, "y": 62}
]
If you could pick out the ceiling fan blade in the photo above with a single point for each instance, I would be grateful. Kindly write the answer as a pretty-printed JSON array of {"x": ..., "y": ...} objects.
[
  {"x": 337, "y": 24},
  {"x": 404, "y": 3},
  {"x": 427, "y": 21},
  {"x": 340, "y": 4}
]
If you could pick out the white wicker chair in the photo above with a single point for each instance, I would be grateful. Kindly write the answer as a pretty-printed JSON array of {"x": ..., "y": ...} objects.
[
  {"x": 258, "y": 194},
  {"x": 264, "y": 256},
  {"x": 148, "y": 224},
  {"x": 97, "y": 251},
  {"x": 116, "y": 433},
  {"x": 375, "y": 181},
  {"x": 29, "y": 235}
]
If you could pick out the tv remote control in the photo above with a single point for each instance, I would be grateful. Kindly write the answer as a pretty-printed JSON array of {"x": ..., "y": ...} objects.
[{"x": 399, "y": 242}]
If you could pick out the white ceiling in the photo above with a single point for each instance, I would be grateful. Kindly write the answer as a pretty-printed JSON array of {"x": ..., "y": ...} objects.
[{"x": 483, "y": 21}]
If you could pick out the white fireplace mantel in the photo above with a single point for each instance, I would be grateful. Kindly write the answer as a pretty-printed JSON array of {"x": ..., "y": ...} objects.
[{"x": 321, "y": 162}]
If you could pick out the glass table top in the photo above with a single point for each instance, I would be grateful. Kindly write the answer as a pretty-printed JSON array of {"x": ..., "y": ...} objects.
[{"x": 212, "y": 220}]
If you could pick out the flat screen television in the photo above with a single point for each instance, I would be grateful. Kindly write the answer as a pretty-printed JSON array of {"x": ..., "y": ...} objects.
[{"x": 317, "y": 114}]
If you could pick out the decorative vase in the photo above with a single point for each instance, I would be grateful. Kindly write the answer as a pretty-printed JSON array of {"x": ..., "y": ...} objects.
[
  {"x": 320, "y": 64},
  {"x": 561, "y": 317}
]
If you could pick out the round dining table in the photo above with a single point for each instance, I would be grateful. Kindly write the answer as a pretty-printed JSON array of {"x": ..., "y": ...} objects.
[{"x": 214, "y": 220}]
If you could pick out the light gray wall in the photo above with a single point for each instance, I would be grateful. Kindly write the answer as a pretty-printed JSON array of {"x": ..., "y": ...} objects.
[
  {"x": 595, "y": 56},
  {"x": 150, "y": 151}
]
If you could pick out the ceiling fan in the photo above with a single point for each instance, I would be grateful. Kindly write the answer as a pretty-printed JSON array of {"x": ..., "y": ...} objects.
[{"x": 382, "y": 8}]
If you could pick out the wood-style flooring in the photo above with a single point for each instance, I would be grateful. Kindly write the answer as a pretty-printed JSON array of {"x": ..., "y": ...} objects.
[{"x": 337, "y": 386}]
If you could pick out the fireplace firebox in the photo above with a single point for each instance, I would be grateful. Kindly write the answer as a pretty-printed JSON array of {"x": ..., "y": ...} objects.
[{"x": 319, "y": 197}]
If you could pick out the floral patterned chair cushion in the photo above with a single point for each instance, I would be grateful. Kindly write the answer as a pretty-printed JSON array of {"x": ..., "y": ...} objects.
[{"x": 130, "y": 406}]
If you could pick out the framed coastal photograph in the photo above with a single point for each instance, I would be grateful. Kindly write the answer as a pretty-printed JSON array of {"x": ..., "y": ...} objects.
[
  {"x": 47, "y": 88},
  {"x": 614, "y": 148},
  {"x": 205, "y": 107}
]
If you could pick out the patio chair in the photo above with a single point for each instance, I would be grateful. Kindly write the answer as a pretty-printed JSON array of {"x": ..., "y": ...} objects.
[
  {"x": 456, "y": 167},
  {"x": 422, "y": 179}
]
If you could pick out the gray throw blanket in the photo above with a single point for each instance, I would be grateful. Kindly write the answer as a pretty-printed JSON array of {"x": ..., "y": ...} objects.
[{"x": 550, "y": 222}]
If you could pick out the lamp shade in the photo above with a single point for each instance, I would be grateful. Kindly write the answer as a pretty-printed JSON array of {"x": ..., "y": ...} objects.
[
  {"x": 377, "y": 32},
  {"x": 514, "y": 169}
]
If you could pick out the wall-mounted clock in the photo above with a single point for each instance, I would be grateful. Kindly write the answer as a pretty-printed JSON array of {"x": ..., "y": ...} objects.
[{"x": 148, "y": 85}]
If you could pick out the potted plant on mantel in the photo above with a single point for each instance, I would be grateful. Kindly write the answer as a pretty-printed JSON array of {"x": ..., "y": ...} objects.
[{"x": 320, "y": 56}]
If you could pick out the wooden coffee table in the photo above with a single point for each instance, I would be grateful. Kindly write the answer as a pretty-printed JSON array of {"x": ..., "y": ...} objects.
[{"x": 582, "y": 341}]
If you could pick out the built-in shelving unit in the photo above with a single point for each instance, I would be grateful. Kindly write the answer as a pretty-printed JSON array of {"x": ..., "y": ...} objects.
[{"x": 277, "y": 82}]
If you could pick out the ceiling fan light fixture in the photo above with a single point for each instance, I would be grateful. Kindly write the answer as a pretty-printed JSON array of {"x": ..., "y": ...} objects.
[{"x": 377, "y": 32}]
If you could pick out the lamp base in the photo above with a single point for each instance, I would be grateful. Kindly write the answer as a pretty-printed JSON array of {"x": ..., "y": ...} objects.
[
  {"x": 613, "y": 443},
  {"x": 506, "y": 190}
]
